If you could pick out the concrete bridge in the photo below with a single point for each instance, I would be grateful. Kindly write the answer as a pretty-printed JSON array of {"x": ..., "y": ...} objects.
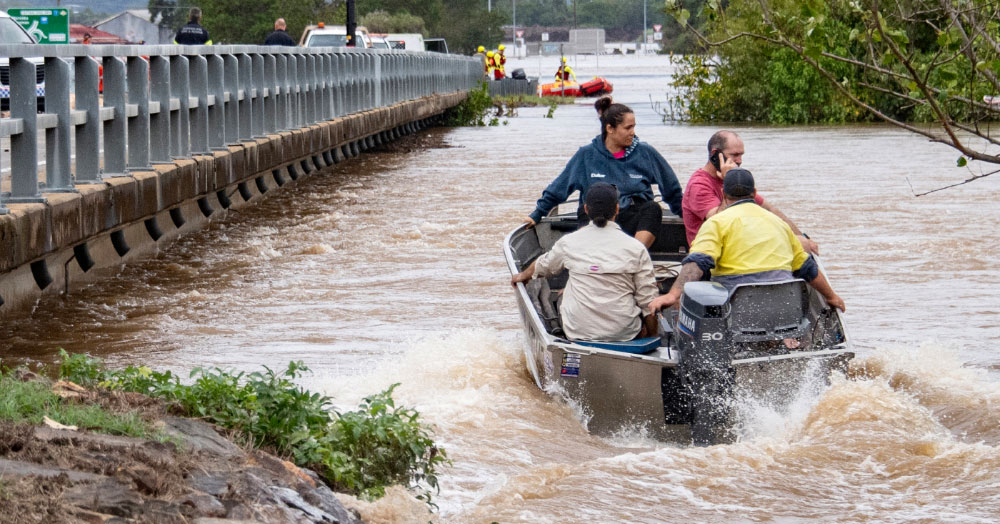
[{"x": 145, "y": 143}]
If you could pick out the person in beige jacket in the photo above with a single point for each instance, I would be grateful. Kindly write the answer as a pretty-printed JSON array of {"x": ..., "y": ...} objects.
[{"x": 611, "y": 281}]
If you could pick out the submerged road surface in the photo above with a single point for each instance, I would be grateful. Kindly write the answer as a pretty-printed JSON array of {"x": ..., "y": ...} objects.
[{"x": 388, "y": 268}]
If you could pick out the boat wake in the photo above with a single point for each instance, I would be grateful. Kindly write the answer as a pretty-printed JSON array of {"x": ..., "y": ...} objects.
[{"x": 889, "y": 431}]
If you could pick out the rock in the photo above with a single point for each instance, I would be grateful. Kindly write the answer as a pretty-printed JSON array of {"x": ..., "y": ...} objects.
[
  {"x": 107, "y": 496},
  {"x": 92, "y": 517},
  {"x": 153, "y": 451},
  {"x": 199, "y": 436},
  {"x": 146, "y": 479},
  {"x": 293, "y": 500},
  {"x": 23, "y": 469},
  {"x": 323, "y": 498},
  {"x": 212, "y": 483},
  {"x": 203, "y": 504},
  {"x": 282, "y": 468}
]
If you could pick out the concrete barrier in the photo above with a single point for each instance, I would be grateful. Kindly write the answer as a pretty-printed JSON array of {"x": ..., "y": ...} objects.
[{"x": 72, "y": 238}]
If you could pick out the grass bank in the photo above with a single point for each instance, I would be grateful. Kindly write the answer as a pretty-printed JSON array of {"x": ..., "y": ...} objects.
[{"x": 360, "y": 452}]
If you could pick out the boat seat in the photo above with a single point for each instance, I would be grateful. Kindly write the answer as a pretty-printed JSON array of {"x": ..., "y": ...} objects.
[{"x": 637, "y": 346}]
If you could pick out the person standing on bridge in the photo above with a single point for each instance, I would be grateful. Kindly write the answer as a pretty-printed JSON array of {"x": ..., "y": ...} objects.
[
  {"x": 491, "y": 64},
  {"x": 193, "y": 33},
  {"x": 481, "y": 54},
  {"x": 617, "y": 157},
  {"x": 501, "y": 61},
  {"x": 279, "y": 36}
]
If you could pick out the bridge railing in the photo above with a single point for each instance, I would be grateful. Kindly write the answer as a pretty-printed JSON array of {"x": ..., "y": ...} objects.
[{"x": 109, "y": 110}]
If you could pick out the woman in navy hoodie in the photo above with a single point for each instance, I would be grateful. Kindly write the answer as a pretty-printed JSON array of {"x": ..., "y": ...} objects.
[{"x": 617, "y": 157}]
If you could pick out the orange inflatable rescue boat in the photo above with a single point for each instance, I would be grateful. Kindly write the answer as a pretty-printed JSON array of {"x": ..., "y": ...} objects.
[
  {"x": 597, "y": 86},
  {"x": 565, "y": 88}
]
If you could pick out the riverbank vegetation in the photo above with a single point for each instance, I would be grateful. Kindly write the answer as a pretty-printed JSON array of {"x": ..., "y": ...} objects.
[
  {"x": 480, "y": 109},
  {"x": 36, "y": 402},
  {"x": 361, "y": 452},
  {"x": 837, "y": 61}
]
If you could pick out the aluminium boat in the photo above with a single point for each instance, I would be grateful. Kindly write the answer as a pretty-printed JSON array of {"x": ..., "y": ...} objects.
[{"x": 719, "y": 349}]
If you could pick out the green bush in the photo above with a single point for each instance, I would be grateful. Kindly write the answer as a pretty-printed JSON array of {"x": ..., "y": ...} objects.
[
  {"x": 361, "y": 451},
  {"x": 473, "y": 111}
]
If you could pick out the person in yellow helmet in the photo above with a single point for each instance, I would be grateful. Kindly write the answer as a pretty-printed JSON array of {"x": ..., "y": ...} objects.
[
  {"x": 565, "y": 72},
  {"x": 501, "y": 61},
  {"x": 491, "y": 64},
  {"x": 481, "y": 54}
]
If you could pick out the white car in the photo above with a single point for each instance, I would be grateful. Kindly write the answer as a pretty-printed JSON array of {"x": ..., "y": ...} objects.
[
  {"x": 12, "y": 33},
  {"x": 332, "y": 36}
]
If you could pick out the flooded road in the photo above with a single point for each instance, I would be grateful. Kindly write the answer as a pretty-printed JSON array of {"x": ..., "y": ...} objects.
[{"x": 388, "y": 268}]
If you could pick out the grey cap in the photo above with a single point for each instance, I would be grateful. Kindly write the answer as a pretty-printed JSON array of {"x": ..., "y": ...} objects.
[{"x": 738, "y": 183}]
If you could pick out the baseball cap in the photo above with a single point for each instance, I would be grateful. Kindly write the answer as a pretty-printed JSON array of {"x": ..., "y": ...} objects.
[
  {"x": 738, "y": 183},
  {"x": 601, "y": 200}
]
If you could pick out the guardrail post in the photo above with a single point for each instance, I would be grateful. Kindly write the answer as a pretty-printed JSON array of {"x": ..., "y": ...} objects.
[
  {"x": 349, "y": 76},
  {"x": 327, "y": 83},
  {"x": 199, "y": 90},
  {"x": 138, "y": 126},
  {"x": 180, "y": 144},
  {"x": 337, "y": 76},
  {"x": 257, "y": 110},
  {"x": 309, "y": 79},
  {"x": 379, "y": 79},
  {"x": 217, "y": 111},
  {"x": 271, "y": 102},
  {"x": 58, "y": 177},
  {"x": 24, "y": 145},
  {"x": 281, "y": 79},
  {"x": 246, "y": 96},
  {"x": 231, "y": 63},
  {"x": 291, "y": 97},
  {"x": 302, "y": 85},
  {"x": 114, "y": 130},
  {"x": 88, "y": 135},
  {"x": 159, "y": 123}
]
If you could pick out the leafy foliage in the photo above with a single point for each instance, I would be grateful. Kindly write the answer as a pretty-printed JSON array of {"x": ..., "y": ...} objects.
[
  {"x": 473, "y": 111},
  {"x": 361, "y": 451},
  {"x": 902, "y": 62},
  {"x": 401, "y": 22}
]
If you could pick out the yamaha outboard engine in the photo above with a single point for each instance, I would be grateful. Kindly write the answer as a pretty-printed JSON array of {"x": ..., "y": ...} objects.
[
  {"x": 705, "y": 373},
  {"x": 714, "y": 325}
]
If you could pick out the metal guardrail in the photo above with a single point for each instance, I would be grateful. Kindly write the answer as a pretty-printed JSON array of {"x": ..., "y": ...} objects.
[
  {"x": 512, "y": 86},
  {"x": 161, "y": 103}
]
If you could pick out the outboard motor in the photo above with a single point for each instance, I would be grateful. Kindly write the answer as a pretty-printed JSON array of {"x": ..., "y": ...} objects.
[
  {"x": 705, "y": 373},
  {"x": 711, "y": 327}
]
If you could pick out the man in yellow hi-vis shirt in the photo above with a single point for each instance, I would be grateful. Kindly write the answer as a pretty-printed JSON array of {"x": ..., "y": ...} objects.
[{"x": 745, "y": 244}]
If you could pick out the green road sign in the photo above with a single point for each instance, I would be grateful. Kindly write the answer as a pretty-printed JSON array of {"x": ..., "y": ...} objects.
[{"x": 47, "y": 26}]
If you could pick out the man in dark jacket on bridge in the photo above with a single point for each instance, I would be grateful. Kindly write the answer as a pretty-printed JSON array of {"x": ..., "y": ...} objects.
[
  {"x": 279, "y": 36},
  {"x": 193, "y": 33}
]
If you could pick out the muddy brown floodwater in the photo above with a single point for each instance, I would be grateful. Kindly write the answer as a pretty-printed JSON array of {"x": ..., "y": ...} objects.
[{"x": 389, "y": 268}]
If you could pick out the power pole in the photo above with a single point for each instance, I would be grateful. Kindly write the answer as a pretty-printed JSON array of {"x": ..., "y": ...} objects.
[
  {"x": 514, "y": 20},
  {"x": 352, "y": 24},
  {"x": 643, "y": 39}
]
